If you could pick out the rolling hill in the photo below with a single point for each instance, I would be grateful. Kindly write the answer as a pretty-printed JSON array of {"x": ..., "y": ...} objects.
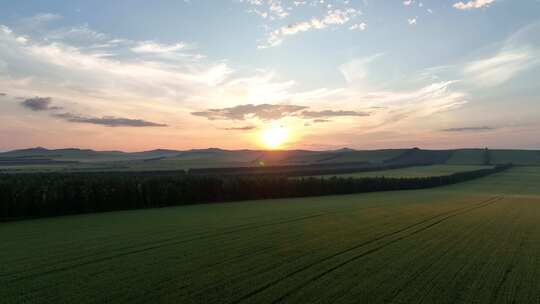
[{"x": 72, "y": 159}]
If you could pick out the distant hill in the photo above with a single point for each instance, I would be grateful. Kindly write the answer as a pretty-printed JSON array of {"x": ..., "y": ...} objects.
[
  {"x": 417, "y": 156},
  {"x": 40, "y": 158}
]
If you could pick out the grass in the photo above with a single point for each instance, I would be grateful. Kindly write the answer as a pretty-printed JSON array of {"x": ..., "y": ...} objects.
[
  {"x": 472, "y": 242},
  {"x": 518, "y": 157},
  {"x": 467, "y": 157},
  {"x": 476, "y": 157},
  {"x": 372, "y": 156},
  {"x": 419, "y": 171}
]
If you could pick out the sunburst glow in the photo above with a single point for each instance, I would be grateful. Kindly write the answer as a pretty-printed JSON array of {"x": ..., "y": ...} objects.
[{"x": 274, "y": 137}]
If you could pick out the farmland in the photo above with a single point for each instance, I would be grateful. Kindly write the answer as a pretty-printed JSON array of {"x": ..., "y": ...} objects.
[
  {"x": 418, "y": 171},
  {"x": 469, "y": 242}
]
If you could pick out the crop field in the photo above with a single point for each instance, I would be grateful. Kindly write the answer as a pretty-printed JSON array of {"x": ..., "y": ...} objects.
[
  {"x": 418, "y": 171},
  {"x": 477, "y": 157},
  {"x": 518, "y": 157},
  {"x": 374, "y": 156},
  {"x": 467, "y": 157},
  {"x": 475, "y": 242}
]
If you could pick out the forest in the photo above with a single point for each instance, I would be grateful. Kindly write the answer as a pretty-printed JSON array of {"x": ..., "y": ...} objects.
[{"x": 53, "y": 194}]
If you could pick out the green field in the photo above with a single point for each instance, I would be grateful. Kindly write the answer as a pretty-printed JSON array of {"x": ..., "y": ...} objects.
[
  {"x": 475, "y": 242},
  {"x": 477, "y": 157},
  {"x": 419, "y": 171},
  {"x": 518, "y": 157},
  {"x": 467, "y": 157}
]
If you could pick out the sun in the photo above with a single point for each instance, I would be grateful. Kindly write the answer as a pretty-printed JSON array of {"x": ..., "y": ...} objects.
[{"x": 274, "y": 137}]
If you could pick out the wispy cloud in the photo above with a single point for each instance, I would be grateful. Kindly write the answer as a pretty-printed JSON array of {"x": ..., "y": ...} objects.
[
  {"x": 332, "y": 17},
  {"x": 416, "y": 104},
  {"x": 357, "y": 70},
  {"x": 65, "y": 67},
  {"x": 469, "y": 129},
  {"x": 358, "y": 26},
  {"x": 472, "y": 4},
  {"x": 39, "y": 19},
  {"x": 499, "y": 68},
  {"x": 321, "y": 120},
  {"x": 244, "y": 128},
  {"x": 77, "y": 35},
  {"x": 332, "y": 113},
  {"x": 496, "y": 65},
  {"x": 519, "y": 52},
  {"x": 150, "y": 47}
]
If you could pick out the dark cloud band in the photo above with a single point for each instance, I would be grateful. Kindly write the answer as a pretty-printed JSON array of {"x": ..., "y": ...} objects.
[
  {"x": 45, "y": 104},
  {"x": 242, "y": 112},
  {"x": 272, "y": 112},
  {"x": 331, "y": 113},
  {"x": 244, "y": 128},
  {"x": 109, "y": 121},
  {"x": 39, "y": 104},
  {"x": 469, "y": 129}
]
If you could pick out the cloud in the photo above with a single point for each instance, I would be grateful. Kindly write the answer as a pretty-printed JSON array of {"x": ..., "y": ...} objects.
[
  {"x": 469, "y": 129},
  {"x": 416, "y": 104},
  {"x": 39, "y": 104},
  {"x": 244, "y": 128},
  {"x": 358, "y": 26},
  {"x": 497, "y": 65},
  {"x": 267, "y": 112},
  {"x": 499, "y": 68},
  {"x": 59, "y": 67},
  {"x": 357, "y": 70},
  {"x": 109, "y": 121},
  {"x": 277, "y": 9},
  {"x": 242, "y": 112},
  {"x": 77, "y": 34},
  {"x": 116, "y": 81},
  {"x": 331, "y": 113},
  {"x": 332, "y": 17},
  {"x": 319, "y": 120},
  {"x": 150, "y": 47},
  {"x": 5, "y": 30},
  {"x": 44, "y": 104},
  {"x": 472, "y": 4},
  {"x": 518, "y": 53},
  {"x": 39, "y": 19}
]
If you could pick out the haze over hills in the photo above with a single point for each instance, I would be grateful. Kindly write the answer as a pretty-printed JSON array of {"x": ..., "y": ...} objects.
[{"x": 162, "y": 159}]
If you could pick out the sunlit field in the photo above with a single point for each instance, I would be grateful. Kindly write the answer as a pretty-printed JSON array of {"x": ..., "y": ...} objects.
[
  {"x": 419, "y": 171},
  {"x": 471, "y": 242}
]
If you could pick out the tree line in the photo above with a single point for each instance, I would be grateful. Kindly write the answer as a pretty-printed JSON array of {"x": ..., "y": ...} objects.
[
  {"x": 52, "y": 194},
  {"x": 302, "y": 170}
]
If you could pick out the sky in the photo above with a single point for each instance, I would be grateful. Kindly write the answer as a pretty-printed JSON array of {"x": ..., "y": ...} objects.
[{"x": 136, "y": 75}]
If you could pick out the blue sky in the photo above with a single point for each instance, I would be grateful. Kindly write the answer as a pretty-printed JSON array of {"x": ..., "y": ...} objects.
[{"x": 367, "y": 74}]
